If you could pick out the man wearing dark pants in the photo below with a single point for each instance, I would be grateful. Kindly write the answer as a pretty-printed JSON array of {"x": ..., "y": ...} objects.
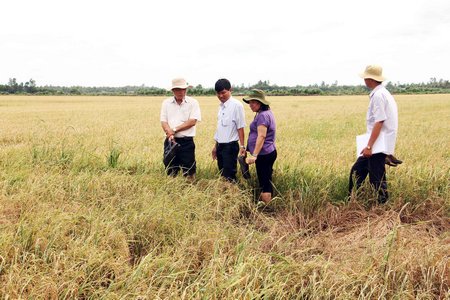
[
  {"x": 179, "y": 115},
  {"x": 382, "y": 117},
  {"x": 226, "y": 159},
  {"x": 229, "y": 135},
  {"x": 374, "y": 167}
]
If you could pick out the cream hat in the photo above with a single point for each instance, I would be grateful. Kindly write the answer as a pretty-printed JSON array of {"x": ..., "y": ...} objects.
[
  {"x": 374, "y": 72},
  {"x": 180, "y": 83}
]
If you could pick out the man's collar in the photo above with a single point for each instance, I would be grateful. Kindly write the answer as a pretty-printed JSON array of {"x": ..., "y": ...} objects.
[
  {"x": 226, "y": 103},
  {"x": 185, "y": 99},
  {"x": 380, "y": 86}
]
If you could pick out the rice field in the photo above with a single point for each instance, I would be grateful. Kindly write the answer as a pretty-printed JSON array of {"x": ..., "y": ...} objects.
[{"x": 87, "y": 212}]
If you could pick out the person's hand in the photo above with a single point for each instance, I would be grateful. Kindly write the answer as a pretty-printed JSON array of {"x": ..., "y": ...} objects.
[
  {"x": 366, "y": 152},
  {"x": 169, "y": 134},
  {"x": 242, "y": 152},
  {"x": 250, "y": 160},
  {"x": 171, "y": 138},
  {"x": 214, "y": 153}
]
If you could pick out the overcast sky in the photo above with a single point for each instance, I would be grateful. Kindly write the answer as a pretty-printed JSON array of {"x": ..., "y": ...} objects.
[{"x": 135, "y": 42}]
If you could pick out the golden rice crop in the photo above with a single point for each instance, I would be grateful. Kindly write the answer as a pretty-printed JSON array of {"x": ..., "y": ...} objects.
[{"x": 87, "y": 212}]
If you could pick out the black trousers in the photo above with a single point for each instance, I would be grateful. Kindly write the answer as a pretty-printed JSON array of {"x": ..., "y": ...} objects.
[
  {"x": 184, "y": 159},
  {"x": 227, "y": 159},
  {"x": 374, "y": 167},
  {"x": 264, "y": 170}
]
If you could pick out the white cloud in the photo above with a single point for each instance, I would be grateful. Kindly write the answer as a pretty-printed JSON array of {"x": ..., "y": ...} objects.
[{"x": 287, "y": 42}]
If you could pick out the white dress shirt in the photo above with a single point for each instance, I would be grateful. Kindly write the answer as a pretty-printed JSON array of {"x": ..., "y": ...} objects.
[
  {"x": 176, "y": 114},
  {"x": 230, "y": 118},
  {"x": 382, "y": 107}
]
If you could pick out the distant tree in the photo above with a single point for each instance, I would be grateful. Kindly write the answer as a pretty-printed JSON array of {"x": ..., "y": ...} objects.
[
  {"x": 262, "y": 85},
  {"x": 4, "y": 89},
  {"x": 30, "y": 87},
  {"x": 432, "y": 86},
  {"x": 13, "y": 86},
  {"x": 75, "y": 90}
]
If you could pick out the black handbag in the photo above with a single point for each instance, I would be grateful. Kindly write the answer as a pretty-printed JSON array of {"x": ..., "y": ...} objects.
[
  {"x": 170, "y": 151},
  {"x": 244, "y": 167}
]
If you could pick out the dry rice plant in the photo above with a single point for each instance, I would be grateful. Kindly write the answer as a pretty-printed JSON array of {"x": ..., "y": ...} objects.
[{"x": 87, "y": 212}]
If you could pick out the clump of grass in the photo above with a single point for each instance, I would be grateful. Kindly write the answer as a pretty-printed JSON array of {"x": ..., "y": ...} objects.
[
  {"x": 112, "y": 158},
  {"x": 66, "y": 156},
  {"x": 40, "y": 153}
]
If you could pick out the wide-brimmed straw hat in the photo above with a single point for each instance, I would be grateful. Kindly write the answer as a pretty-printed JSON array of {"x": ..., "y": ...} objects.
[
  {"x": 257, "y": 95},
  {"x": 374, "y": 72},
  {"x": 180, "y": 83}
]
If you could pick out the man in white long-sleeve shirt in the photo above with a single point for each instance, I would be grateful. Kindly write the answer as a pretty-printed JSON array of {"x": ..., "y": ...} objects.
[{"x": 382, "y": 117}]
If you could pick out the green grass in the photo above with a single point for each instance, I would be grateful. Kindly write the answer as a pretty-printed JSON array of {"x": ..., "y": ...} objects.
[{"x": 86, "y": 210}]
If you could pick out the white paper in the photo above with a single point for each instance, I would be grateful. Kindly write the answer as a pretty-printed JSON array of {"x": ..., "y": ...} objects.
[{"x": 378, "y": 147}]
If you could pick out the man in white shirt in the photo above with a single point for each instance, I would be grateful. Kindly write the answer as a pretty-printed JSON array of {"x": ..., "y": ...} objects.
[
  {"x": 229, "y": 135},
  {"x": 382, "y": 117},
  {"x": 179, "y": 115}
]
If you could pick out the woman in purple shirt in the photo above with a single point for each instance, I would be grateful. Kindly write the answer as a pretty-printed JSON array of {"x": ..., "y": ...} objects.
[{"x": 261, "y": 142}]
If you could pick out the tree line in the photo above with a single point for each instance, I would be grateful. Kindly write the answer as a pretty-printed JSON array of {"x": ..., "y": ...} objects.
[{"x": 433, "y": 86}]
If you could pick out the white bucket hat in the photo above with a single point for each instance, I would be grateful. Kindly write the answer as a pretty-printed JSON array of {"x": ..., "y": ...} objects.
[
  {"x": 180, "y": 83},
  {"x": 374, "y": 72}
]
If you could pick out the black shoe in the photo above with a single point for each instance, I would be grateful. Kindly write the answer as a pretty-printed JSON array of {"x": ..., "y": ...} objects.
[
  {"x": 244, "y": 167},
  {"x": 395, "y": 160},
  {"x": 392, "y": 161}
]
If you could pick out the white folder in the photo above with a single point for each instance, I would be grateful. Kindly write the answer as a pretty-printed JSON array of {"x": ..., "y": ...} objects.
[{"x": 378, "y": 147}]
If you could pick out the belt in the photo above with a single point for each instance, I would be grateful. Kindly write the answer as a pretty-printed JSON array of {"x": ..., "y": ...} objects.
[
  {"x": 230, "y": 143},
  {"x": 185, "y": 138}
]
